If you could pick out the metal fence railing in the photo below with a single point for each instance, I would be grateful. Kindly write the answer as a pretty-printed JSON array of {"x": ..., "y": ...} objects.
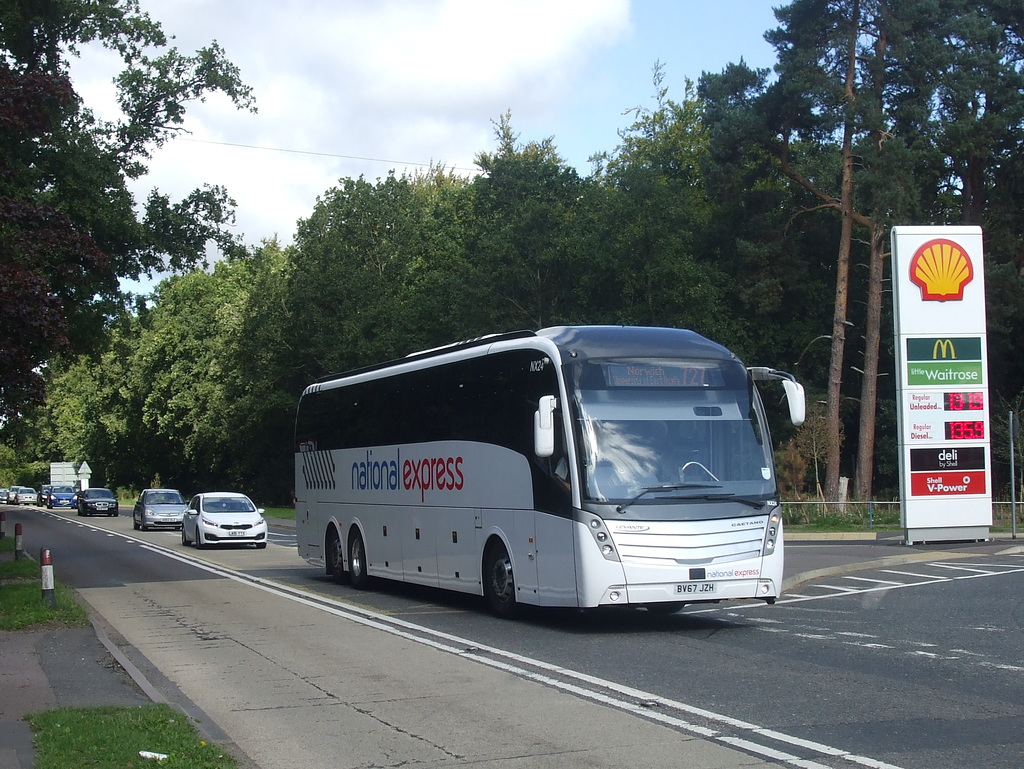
[{"x": 874, "y": 515}]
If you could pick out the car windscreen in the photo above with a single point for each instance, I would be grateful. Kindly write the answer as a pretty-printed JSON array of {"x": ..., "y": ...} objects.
[
  {"x": 99, "y": 494},
  {"x": 228, "y": 505},
  {"x": 165, "y": 498}
]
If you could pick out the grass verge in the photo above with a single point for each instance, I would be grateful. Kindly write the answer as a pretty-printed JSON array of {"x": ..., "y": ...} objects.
[
  {"x": 107, "y": 737},
  {"x": 279, "y": 512},
  {"x": 114, "y": 737},
  {"x": 21, "y": 596}
]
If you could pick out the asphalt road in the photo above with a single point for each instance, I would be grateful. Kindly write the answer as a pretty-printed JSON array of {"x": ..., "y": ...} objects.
[{"x": 909, "y": 664}]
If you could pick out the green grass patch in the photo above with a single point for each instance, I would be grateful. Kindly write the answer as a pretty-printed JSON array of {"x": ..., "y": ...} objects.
[
  {"x": 22, "y": 606},
  {"x": 24, "y": 568},
  {"x": 112, "y": 738},
  {"x": 21, "y": 597},
  {"x": 279, "y": 512}
]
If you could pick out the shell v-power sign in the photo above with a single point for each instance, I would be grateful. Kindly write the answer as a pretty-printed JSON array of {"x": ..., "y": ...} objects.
[{"x": 942, "y": 383}]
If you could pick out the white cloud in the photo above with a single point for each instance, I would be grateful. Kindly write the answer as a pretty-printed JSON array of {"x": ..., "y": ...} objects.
[{"x": 404, "y": 81}]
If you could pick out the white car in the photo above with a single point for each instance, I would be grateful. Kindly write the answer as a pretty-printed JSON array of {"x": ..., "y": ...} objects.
[{"x": 223, "y": 517}]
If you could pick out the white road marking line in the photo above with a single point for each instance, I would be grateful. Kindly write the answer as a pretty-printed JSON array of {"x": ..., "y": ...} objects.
[
  {"x": 914, "y": 574},
  {"x": 958, "y": 567},
  {"x": 468, "y": 649},
  {"x": 878, "y": 581}
]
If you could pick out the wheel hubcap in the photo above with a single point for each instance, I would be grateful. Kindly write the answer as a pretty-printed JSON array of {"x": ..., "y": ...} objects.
[{"x": 501, "y": 579}]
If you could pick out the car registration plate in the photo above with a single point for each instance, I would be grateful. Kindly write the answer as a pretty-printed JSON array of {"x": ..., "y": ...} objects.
[
  {"x": 236, "y": 533},
  {"x": 691, "y": 588}
]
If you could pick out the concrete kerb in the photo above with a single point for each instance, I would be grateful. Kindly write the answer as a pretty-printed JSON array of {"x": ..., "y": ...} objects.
[{"x": 894, "y": 560}]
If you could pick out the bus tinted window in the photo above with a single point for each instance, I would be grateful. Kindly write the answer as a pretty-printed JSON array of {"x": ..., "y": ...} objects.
[{"x": 488, "y": 399}]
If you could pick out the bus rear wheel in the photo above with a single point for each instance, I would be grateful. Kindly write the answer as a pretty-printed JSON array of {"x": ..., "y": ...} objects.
[
  {"x": 499, "y": 581},
  {"x": 357, "y": 561},
  {"x": 335, "y": 559}
]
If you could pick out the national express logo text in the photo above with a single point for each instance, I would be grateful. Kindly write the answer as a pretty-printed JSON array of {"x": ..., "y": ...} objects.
[{"x": 396, "y": 474}]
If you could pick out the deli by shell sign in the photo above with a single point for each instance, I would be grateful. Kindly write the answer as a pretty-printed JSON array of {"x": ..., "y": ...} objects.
[{"x": 942, "y": 382}]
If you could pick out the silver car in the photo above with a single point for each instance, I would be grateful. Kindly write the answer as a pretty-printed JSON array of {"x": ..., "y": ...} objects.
[
  {"x": 26, "y": 496},
  {"x": 158, "y": 509}
]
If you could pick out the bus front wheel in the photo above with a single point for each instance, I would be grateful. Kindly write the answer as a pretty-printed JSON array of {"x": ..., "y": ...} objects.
[
  {"x": 357, "y": 561},
  {"x": 499, "y": 581}
]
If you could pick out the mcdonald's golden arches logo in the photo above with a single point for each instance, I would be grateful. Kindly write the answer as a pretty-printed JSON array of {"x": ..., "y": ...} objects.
[
  {"x": 941, "y": 268},
  {"x": 944, "y": 348}
]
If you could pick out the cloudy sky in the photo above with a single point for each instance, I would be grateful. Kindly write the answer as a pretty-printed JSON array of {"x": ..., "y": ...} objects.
[{"x": 358, "y": 87}]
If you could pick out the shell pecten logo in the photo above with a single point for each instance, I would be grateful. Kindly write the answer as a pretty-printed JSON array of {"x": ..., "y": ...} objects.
[{"x": 942, "y": 269}]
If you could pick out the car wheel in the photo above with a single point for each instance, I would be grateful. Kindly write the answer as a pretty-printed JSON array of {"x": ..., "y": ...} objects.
[
  {"x": 357, "y": 561},
  {"x": 184, "y": 539},
  {"x": 261, "y": 545},
  {"x": 199, "y": 539},
  {"x": 135, "y": 524},
  {"x": 499, "y": 581}
]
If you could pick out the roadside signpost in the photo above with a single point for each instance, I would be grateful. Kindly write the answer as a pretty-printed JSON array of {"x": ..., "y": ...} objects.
[{"x": 942, "y": 383}]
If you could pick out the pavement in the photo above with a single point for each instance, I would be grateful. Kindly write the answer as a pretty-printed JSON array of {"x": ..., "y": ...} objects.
[{"x": 78, "y": 667}]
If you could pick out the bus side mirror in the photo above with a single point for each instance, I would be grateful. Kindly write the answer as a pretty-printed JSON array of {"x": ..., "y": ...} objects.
[
  {"x": 544, "y": 426},
  {"x": 797, "y": 401}
]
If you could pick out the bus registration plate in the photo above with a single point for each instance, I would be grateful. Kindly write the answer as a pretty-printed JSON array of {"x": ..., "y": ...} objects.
[{"x": 689, "y": 588}]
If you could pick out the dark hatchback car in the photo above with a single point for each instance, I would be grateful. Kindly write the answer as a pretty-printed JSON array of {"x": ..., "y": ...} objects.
[{"x": 97, "y": 502}]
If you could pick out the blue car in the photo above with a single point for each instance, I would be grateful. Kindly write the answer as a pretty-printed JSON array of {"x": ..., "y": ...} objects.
[{"x": 60, "y": 496}]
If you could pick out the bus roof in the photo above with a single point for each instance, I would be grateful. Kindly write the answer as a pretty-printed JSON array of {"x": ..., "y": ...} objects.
[
  {"x": 582, "y": 342},
  {"x": 643, "y": 341}
]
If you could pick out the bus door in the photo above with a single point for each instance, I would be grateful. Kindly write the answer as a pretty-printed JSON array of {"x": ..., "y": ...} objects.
[
  {"x": 555, "y": 559},
  {"x": 458, "y": 566}
]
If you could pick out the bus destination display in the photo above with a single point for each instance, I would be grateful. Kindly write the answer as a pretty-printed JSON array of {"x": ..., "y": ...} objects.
[{"x": 676, "y": 374}]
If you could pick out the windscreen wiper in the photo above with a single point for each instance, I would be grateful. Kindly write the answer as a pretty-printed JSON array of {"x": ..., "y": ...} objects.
[
  {"x": 666, "y": 487},
  {"x": 754, "y": 502}
]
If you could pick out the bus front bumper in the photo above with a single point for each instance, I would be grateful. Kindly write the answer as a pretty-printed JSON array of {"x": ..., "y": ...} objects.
[{"x": 692, "y": 592}]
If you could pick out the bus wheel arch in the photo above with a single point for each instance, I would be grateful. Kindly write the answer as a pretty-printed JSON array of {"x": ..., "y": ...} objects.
[
  {"x": 498, "y": 579},
  {"x": 357, "y": 574}
]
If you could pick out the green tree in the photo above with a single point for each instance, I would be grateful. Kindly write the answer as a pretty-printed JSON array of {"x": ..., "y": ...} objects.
[
  {"x": 523, "y": 203},
  {"x": 68, "y": 225}
]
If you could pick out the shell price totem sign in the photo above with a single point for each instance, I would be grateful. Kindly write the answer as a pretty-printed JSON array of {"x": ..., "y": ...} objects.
[{"x": 942, "y": 383}]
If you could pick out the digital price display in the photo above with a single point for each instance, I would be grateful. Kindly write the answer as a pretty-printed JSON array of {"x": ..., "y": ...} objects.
[
  {"x": 966, "y": 430},
  {"x": 962, "y": 402}
]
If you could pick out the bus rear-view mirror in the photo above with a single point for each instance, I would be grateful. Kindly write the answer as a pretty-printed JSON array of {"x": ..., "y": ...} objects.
[{"x": 544, "y": 426}]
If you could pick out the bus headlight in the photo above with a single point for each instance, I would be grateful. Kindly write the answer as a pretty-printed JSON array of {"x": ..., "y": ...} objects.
[
  {"x": 772, "y": 530},
  {"x": 602, "y": 537}
]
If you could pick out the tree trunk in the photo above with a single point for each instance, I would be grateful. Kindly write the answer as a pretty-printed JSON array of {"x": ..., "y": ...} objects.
[
  {"x": 835, "y": 367},
  {"x": 869, "y": 384}
]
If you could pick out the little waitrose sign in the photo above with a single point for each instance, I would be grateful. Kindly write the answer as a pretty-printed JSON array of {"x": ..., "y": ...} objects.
[{"x": 942, "y": 382}]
